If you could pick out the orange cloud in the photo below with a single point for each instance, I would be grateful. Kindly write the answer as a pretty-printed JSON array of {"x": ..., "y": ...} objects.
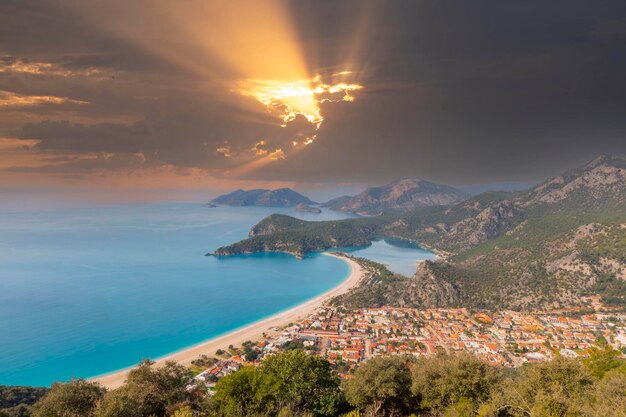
[{"x": 9, "y": 99}]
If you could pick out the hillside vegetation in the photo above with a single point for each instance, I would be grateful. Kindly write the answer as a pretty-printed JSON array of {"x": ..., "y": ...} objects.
[
  {"x": 549, "y": 246},
  {"x": 280, "y": 233}
]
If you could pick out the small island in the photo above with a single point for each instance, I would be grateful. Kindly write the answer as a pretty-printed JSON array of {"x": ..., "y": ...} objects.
[
  {"x": 281, "y": 197},
  {"x": 305, "y": 208}
]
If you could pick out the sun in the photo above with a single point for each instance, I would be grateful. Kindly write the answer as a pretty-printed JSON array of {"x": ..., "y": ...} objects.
[{"x": 288, "y": 99}]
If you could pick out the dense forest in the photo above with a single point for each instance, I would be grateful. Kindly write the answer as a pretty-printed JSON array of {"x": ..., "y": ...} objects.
[{"x": 297, "y": 384}]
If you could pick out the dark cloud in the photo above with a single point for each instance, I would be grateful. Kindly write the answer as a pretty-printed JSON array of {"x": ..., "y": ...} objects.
[
  {"x": 186, "y": 136},
  {"x": 454, "y": 91},
  {"x": 96, "y": 163}
]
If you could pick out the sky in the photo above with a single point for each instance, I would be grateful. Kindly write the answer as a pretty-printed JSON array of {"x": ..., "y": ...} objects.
[{"x": 163, "y": 99}]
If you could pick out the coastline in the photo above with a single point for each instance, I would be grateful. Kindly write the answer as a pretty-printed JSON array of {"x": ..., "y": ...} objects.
[{"x": 251, "y": 331}]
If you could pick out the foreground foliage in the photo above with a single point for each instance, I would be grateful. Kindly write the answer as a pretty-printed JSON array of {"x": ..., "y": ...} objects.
[
  {"x": 292, "y": 383},
  {"x": 298, "y": 384},
  {"x": 17, "y": 400}
]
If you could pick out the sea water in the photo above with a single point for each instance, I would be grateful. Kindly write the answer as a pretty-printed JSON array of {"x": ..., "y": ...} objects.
[
  {"x": 398, "y": 255},
  {"x": 88, "y": 291}
]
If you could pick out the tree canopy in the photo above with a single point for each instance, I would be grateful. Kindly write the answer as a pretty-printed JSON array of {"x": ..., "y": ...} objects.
[
  {"x": 292, "y": 382},
  {"x": 382, "y": 386},
  {"x": 298, "y": 384}
]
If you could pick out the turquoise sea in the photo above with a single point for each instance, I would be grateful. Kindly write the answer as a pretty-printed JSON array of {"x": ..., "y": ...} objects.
[{"x": 88, "y": 291}]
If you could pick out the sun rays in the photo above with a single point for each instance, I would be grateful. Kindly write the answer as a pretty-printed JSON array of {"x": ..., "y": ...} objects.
[{"x": 248, "y": 49}]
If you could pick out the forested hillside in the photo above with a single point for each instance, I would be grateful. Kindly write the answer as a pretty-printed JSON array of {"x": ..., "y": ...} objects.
[{"x": 546, "y": 247}]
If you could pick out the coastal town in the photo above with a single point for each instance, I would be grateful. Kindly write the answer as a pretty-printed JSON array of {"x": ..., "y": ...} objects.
[{"x": 346, "y": 338}]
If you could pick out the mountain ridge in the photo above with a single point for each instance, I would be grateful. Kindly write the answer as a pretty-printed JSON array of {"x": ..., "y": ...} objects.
[{"x": 404, "y": 194}]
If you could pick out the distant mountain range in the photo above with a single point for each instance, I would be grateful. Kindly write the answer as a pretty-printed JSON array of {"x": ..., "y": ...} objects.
[
  {"x": 402, "y": 195},
  {"x": 282, "y": 197},
  {"x": 549, "y": 246}
]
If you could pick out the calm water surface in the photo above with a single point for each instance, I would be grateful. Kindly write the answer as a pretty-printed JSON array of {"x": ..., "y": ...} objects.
[
  {"x": 400, "y": 256},
  {"x": 88, "y": 291}
]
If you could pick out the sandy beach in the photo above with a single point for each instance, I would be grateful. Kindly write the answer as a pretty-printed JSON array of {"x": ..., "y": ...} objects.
[{"x": 250, "y": 332}]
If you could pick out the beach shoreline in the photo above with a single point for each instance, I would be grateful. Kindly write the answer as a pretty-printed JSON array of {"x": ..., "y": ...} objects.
[{"x": 252, "y": 331}]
